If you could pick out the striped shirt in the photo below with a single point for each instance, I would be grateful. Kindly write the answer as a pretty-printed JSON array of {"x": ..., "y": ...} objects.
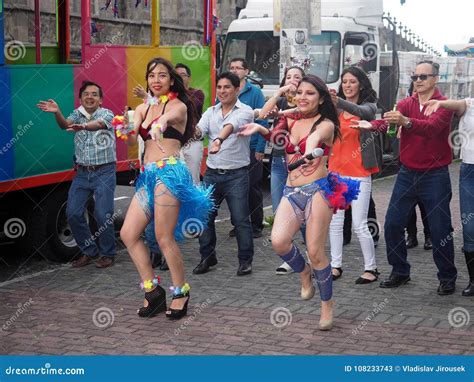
[{"x": 93, "y": 148}]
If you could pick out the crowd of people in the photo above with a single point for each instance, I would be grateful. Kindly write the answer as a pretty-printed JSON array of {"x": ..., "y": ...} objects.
[{"x": 324, "y": 156}]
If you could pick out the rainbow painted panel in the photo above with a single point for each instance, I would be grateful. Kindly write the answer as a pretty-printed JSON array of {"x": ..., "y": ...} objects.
[
  {"x": 41, "y": 147},
  {"x": 106, "y": 65},
  {"x": 6, "y": 137}
]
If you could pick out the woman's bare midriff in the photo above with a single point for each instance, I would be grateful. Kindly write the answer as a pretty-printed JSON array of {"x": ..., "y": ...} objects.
[
  {"x": 153, "y": 152},
  {"x": 298, "y": 178}
]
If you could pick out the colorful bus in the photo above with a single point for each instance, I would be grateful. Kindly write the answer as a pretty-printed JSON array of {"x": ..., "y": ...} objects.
[{"x": 36, "y": 157}]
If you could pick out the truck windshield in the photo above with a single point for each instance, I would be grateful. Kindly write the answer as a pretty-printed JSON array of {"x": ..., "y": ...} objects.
[
  {"x": 325, "y": 54},
  {"x": 262, "y": 51}
]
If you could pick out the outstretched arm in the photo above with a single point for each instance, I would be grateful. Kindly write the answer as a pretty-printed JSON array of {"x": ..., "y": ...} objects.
[
  {"x": 50, "y": 106},
  {"x": 458, "y": 106}
]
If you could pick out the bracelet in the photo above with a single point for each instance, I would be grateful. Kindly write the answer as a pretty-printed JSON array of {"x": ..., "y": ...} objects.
[{"x": 219, "y": 139}]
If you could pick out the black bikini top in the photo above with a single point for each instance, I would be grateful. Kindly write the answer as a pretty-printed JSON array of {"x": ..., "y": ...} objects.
[{"x": 169, "y": 133}]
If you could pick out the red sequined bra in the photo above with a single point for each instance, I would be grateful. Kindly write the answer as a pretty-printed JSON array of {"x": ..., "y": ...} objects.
[{"x": 283, "y": 132}]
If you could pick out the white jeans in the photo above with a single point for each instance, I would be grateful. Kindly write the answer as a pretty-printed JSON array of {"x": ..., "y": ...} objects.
[
  {"x": 360, "y": 209},
  {"x": 192, "y": 155}
]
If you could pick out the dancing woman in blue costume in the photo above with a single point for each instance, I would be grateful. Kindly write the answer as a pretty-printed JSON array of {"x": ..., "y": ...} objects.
[
  {"x": 165, "y": 191},
  {"x": 311, "y": 194}
]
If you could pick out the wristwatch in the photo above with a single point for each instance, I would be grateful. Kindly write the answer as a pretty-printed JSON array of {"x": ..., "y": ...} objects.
[
  {"x": 409, "y": 124},
  {"x": 219, "y": 139}
]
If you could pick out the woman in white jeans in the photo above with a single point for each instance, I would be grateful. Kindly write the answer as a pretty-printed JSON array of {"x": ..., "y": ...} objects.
[{"x": 354, "y": 156}]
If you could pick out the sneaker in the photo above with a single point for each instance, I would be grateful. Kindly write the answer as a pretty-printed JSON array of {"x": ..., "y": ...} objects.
[{"x": 284, "y": 269}]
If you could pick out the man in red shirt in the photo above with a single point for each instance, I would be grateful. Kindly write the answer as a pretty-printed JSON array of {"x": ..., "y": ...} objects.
[{"x": 425, "y": 154}]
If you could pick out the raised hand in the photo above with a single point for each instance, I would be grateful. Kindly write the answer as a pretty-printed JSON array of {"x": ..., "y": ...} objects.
[
  {"x": 139, "y": 92},
  {"x": 249, "y": 129},
  {"x": 334, "y": 97},
  {"x": 49, "y": 106},
  {"x": 361, "y": 125},
  {"x": 431, "y": 107},
  {"x": 75, "y": 127},
  {"x": 215, "y": 146}
]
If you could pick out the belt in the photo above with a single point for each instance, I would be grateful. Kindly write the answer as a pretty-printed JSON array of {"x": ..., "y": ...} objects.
[
  {"x": 223, "y": 171},
  {"x": 92, "y": 167}
]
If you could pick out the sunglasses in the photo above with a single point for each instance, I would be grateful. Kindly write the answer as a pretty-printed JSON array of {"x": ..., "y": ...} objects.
[{"x": 422, "y": 77}]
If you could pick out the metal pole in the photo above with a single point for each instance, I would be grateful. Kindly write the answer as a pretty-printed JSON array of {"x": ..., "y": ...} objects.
[{"x": 37, "y": 32}]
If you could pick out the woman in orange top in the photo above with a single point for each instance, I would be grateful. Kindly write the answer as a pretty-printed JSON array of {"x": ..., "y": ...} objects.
[{"x": 354, "y": 156}]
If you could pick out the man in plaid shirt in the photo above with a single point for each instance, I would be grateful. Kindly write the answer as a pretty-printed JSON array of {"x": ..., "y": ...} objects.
[{"x": 95, "y": 160}]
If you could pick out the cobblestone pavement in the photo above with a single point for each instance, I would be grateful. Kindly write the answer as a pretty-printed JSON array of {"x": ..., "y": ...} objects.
[{"x": 92, "y": 311}]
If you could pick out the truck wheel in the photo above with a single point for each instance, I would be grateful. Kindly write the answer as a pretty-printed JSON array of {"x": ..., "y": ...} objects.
[{"x": 61, "y": 241}]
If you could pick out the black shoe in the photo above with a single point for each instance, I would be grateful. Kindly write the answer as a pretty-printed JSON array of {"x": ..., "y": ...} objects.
[
  {"x": 411, "y": 242},
  {"x": 446, "y": 289},
  {"x": 164, "y": 266},
  {"x": 156, "y": 303},
  {"x": 376, "y": 243},
  {"x": 156, "y": 259},
  {"x": 176, "y": 314},
  {"x": 394, "y": 281},
  {"x": 244, "y": 269},
  {"x": 428, "y": 246},
  {"x": 339, "y": 273},
  {"x": 232, "y": 232},
  {"x": 362, "y": 280},
  {"x": 205, "y": 264},
  {"x": 257, "y": 234},
  {"x": 469, "y": 291},
  {"x": 346, "y": 241}
]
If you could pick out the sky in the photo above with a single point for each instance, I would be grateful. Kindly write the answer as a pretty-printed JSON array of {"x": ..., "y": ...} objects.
[{"x": 438, "y": 22}]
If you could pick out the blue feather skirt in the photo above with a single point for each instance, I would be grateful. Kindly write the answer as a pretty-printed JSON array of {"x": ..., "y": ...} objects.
[{"x": 196, "y": 202}]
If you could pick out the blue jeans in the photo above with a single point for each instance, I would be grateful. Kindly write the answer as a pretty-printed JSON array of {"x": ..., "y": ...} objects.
[
  {"x": 255, "y": 192},
  {"x": 466, "y": 200},
  {"x": 233, "y": 186},
  {"x": 101, "y": 184},
  {"x": 433, "y": 189},
  {"x": 278, "y": 175}
]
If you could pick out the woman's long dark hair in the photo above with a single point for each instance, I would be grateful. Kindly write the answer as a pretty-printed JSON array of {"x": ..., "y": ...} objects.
[
  {"x": 327, "y": 108},
  {"x": 177, "y": 87},
  {"x": 282, "y": 83},
  {"x": 366, "y": 91}
]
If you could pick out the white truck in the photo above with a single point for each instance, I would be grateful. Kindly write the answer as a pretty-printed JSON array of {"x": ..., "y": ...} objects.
[{"x": 350, "y": 35}]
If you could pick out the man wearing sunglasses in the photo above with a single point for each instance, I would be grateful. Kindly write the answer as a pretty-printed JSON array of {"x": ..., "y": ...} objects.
[{"x": 425, "y": 154}]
